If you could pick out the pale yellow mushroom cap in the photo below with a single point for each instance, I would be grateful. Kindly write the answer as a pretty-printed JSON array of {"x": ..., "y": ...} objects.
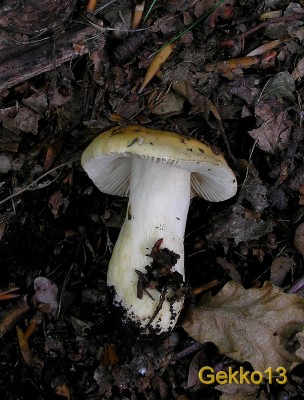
[{"x": 107, "y": 160}]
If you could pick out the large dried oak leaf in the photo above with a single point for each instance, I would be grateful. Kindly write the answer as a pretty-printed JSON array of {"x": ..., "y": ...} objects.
[{"x": 254, "y": 325}]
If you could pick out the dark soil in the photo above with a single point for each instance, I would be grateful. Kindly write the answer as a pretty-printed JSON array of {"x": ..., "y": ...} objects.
[{"x": 55, "y": 223}]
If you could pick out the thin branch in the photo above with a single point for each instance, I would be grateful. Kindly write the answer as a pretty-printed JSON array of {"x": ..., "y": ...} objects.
[
  {"x": 26, "y": 188},
  {"x": 262, "y": 25}
]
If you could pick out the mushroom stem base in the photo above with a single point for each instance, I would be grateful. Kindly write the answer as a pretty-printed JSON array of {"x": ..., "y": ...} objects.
[{"x": 158, "y": 208}]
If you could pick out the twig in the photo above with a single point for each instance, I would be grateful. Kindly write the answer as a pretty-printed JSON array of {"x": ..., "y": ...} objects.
[
  {"x": 33, "y": 183},
  {"x": 249, "y": 161},
  {"x": 223, "y": 133},
  {"x": 101, "y": 7},
  {"x": 19, "y": 63},
  {"x": 100, "y": 28},
  {"x": 189, "y": 350},
  {"x": 206, "y": 286},
  {"x": 159, "y": 306},
  {"x": 262, "y": 25}
]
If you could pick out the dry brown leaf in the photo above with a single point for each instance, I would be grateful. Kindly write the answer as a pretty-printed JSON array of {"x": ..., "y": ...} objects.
[
  {"x": 27, "y": 120},
  {"x": 110, "y": 356},
  {"x": 232, "y": 224},
  {"x": 274, "y": 133},
  {"x": 233, "y": 391},
  {"x": 156, "y": 64},
  {"x": 201, "y": 105},
  {"x": 266, "y": 47},
  {"x": 12, "y": 315},
  {"x": 298, "y": 72},
  {"x": 230, "y": 269},
  {"x": 279, "y": 268},
  {"x": 38, "y": 103},
  {"x": 52, "y": 154},
  {"x": 24, "y": 346},
  {"x": 2, "y": 229},
  {"x": 170, "y": 103},
  {"x": 224, "y": 12},
  {"x": 138, "y": 13},
  {"x": 6, "y": 294},
  {"x": 233, "y": 67},
  {"x": 254, "y": 325},
  {"x": 63, "y": 390},
  {"x": 56, "y": 203},
  {"x": 281, "y": 86},
  {"x": 91, "y": 5},
  {"x": 196, "y": 364},
  {"x": 32, "y": 326}
]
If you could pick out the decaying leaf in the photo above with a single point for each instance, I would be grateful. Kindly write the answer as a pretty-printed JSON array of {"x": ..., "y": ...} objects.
[
  {"x": 110, "y": 356},
  {"x": 235, "y": 391},
  {"x": 56, "y": 203},
  {"x": 233, "y": 67},
  {"x": 200, "y": 103},
  {"x": 230, "y": 268},
  {"x": 233, "y": 224},
  {"x": 156, "y": 64},
  {"x": 12, "y": 315},
  {"x": 27, "y": 120},
  {"x": 46, "y": 293},
  {"x": 252, "y": 188},
  {"x": 224, "y": 12},
  {"x": 170, "y": 103},
  {"x": 279, "y": 268},
  {"x": 52, "y": 154},
  {"x": 36, "y": 102},
  {"x": 280, "y": 86},
  {"x": 81, "y": 326},
  {"x": 24, "y": 346},
  {"x": 254, "y": 325},
  {"x": 274, "y": 133},
  {"x": 298, "y": 72},
  {"x": 265, "y": 47},
  {"x": 6, "y": 294},
  {"x": 200, "y": 359}
]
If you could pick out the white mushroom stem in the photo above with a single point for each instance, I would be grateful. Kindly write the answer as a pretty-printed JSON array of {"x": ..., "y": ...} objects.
[{"x": 158, "y": 208}]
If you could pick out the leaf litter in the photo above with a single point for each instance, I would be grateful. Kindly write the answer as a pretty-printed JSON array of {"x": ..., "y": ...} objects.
[{"x": 234, "y": 80}]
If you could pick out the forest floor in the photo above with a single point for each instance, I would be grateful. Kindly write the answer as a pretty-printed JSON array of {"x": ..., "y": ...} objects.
[{"x": 233, "y": 80}]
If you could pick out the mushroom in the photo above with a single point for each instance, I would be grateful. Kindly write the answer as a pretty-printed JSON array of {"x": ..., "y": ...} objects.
[{"x": 160, "y": 171}]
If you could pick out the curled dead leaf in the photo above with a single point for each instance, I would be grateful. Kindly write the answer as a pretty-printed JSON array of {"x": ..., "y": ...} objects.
[
  {"x": 200, "y": 104},
  {"x": 52, "y": 154},
  {"x": 279, "y": 268},
  {"x": 138, "y": 13},
  {"x": 156, "y": 64},
  {"x": 229, "y": 68},
  {"x": 254, "y": 325},
  {"x": 12, "y": 315}
]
